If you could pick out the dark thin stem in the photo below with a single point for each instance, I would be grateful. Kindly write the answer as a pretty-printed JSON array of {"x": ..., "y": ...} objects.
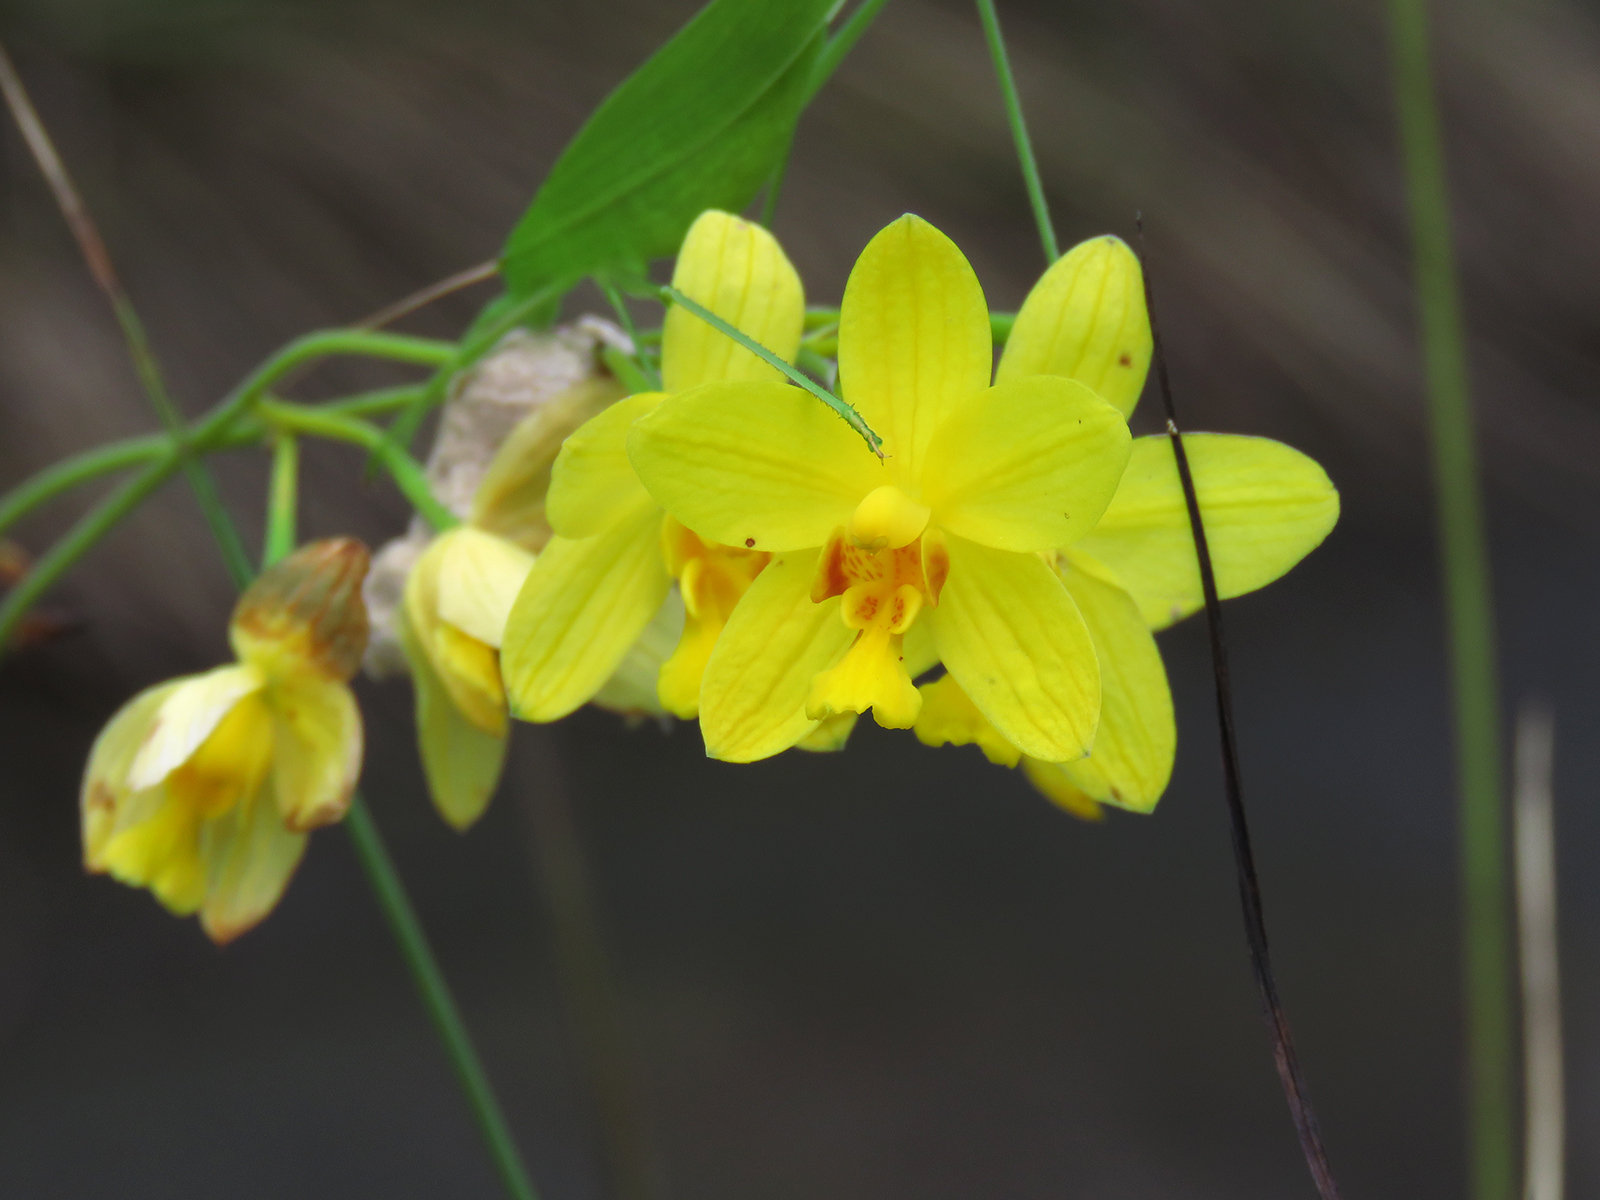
[
  {"x": 1019, "y": 128},
  {"x": 425, "y": 296},
  {"x": 1469, "y": 610},
  {"x": 98, "y": 259},
  {"x": 1255, "y": 924}
]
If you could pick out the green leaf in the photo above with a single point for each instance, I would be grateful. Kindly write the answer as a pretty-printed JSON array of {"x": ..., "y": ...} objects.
[{"x": 700, "y": 125}]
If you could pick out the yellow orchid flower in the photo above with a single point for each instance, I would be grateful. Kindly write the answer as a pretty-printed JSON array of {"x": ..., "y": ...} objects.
[
  {"x": 457, "y": 596},
  {"x": 610, "y": 567},
  {"x": 203, "y": 789},
  {"x": 1265, "y": 505},
  {"x": 880, "y": 567}
]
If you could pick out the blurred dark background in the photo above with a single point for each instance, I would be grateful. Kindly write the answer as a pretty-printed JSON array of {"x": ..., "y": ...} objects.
[{"x": 895, "y": 972}]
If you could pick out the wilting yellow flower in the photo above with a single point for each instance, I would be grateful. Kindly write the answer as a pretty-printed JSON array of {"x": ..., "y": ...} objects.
[
  {"x": 611, "y": 565},
  {"x": 456, "y": 598},
  {"x": 881, "y": 567},
  {"x": 202, "y": 789},
  {"x": 1265, "y": 506}
]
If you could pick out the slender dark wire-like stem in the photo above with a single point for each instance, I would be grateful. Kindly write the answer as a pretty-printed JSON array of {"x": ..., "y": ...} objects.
[
  {"x": 1255, "y": 925},
  {"x": 98, "y": 259},
  {"x": 1486, "y": 943}
]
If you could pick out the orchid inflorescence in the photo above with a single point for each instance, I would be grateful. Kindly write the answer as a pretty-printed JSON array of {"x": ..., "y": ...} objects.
[{"x": 726, "y": 549}]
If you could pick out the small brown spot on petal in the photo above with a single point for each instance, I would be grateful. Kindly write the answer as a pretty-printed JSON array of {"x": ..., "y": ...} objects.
[
  {"x": 749, "y": 543},
  {"x": 1126, "y": 360}
]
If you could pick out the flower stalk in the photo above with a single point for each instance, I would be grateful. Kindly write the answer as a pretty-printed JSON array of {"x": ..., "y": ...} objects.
[{"x": 1019, "y": 129}]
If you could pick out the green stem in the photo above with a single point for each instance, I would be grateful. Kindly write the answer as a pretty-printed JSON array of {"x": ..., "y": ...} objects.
[
  {"x": 283, "y": 497},
  {"x": 1469, "y": 611},
  {"x": 851, "y": 417},
  {"x": 407, "y": 473},
  {"x": 436, "y": 998},
  {"x": 62, "y": 477},
  {"x": 212, "y": 431},
  {"x": 1019, "y": 128}
]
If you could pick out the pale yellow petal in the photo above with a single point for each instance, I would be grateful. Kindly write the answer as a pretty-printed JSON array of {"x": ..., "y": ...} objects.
[
  {"x": 1028, "y": 465},
  {"x": 1086, "y": 320},
  {"x": 1265, "y": 507},
  {"x": 583, "y": 606},
  {"x": 758, "y": 465},
  {"x": 592, "y": 483},
  {"x": 317, "y": 746},
  {"x": 249, "y": 856},
  {"x": 105, "y": 788},
  {"x": 1053, "y": 783},
  {"x": 479, "y": 579},
  {"x": 752, "y": 700},
  {"x": 1130, "y": 761},
  {"x": 914, "y": 338},
  {"x": 462, "y": 762},
  {"x": 1008, "y": 631},
  {"x": 738, "y": 271},
  {"x": 187, "y": 715},
  {"x": 511, "y": 500}
]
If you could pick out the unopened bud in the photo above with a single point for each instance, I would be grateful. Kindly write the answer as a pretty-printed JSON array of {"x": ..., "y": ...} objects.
[{"x": 306, "y": 612}]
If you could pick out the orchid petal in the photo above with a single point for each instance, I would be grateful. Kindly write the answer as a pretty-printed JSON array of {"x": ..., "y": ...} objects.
[
  {"x": 1086, "y": 320},
  {"x": 758, "y": 465},
  {"x": 914, "y": 338},
  {"x": 738, "y": 271},
  {"x": 1014, "y": 640},
  {"x": 753, "y": 697},
  {"x": 1265, "y": 507},
  {"x": 582, "y": 607},
  {"x": 1026, "y": 465}
]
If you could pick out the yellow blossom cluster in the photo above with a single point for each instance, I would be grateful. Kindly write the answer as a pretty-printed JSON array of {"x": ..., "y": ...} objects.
[{"x": 727, "y": 549}]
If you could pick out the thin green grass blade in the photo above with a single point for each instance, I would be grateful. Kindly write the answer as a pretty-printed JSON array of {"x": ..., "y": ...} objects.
[{"x": 1485, "y": 896}]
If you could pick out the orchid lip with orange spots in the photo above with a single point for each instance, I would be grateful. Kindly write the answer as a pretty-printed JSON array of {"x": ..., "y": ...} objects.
[{"x": 882, "y": 567}]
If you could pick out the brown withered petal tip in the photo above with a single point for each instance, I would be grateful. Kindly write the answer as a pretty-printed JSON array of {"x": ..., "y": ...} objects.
[{"x": 314, "y": 594}]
